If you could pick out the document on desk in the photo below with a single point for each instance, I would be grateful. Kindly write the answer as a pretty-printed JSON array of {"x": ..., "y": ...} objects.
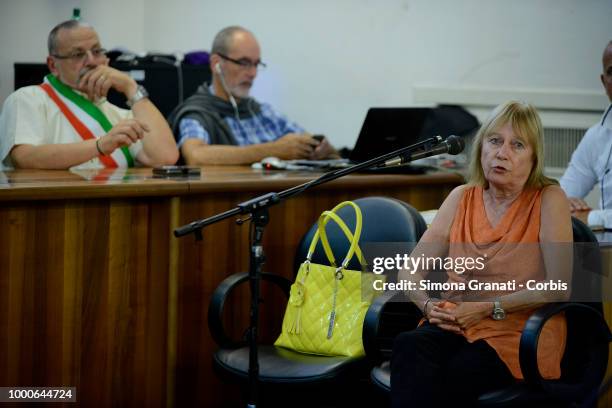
[
  {"x": 322, "y": 164},
  {"x": 274, "y": 163}
]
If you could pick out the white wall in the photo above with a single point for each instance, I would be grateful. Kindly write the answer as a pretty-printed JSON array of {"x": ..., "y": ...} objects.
[
  {"x": 331, "y": 60},
  {"x": 25, "y": 24}
]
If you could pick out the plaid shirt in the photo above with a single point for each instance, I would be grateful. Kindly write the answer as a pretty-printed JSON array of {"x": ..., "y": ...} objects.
[{"x": 267, "y": 126}]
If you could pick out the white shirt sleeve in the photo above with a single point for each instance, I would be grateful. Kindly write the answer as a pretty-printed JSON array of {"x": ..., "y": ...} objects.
[
  {"x": 22, "y": 122},
  {"x": 601, "y": 217},
  {"x": 581, "y": 174}
]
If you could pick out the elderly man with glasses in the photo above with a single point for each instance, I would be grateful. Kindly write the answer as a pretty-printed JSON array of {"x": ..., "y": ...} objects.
[
  {"x": 221, "y": 124},
  {"x": 66, "y": 122}
]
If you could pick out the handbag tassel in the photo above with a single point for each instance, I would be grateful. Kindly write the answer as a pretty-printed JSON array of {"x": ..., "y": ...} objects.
[
  {"x": 295, "y": 326},
  {"x": 296, "y": 300}
]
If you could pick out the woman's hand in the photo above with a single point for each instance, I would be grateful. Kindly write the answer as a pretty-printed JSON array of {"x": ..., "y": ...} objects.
[
  {"x": 457, "y": 317},
  {"x": 440, "y": 315},
  {"x": 467, "y": 314}
]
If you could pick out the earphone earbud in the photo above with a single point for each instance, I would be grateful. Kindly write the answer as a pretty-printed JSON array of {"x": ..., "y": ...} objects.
[{"x": 227, "y": 90}]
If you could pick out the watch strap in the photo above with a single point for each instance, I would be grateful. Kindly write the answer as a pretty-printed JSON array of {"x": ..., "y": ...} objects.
[{"x": 140, "y": 94}]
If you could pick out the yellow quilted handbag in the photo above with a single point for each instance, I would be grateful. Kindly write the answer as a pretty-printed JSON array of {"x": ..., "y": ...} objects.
[{"x": 328, "y": 303}]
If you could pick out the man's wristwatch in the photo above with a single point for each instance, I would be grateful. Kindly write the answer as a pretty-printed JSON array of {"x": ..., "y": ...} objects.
[
  {"x": 141, "y": 93},
  {"x": 498, "y": 312}
]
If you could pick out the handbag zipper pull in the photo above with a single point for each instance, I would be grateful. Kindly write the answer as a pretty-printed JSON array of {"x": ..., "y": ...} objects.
[{"x": 332, "y": 316}]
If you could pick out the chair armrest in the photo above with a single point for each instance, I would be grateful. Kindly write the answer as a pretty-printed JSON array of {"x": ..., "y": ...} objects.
[
  {"x": 217, "y": 304},
  {"x": 528, "y": 346},
  {"x": 389, "y": 314},
  {"x": 371, "y": 325}
]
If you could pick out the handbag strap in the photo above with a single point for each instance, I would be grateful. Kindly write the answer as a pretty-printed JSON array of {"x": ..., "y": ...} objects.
[
  {"x": 353, "y": 239},
  {"x": 354, "y": 249}
]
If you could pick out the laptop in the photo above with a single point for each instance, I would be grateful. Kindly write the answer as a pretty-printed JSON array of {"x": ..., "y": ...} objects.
[{"x": 387, "y": 129}]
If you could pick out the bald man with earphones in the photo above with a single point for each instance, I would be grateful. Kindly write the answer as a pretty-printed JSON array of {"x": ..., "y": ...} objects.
[
  {"x": 591, "y": 162},
  {"x": 221, "y": 124}
]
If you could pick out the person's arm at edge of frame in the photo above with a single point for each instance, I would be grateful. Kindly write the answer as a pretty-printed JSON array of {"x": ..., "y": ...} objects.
[{"x": 579, "y": 176}]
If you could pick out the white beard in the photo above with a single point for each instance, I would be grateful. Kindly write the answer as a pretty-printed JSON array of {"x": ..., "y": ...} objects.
[{"x": 240, "y": 91}]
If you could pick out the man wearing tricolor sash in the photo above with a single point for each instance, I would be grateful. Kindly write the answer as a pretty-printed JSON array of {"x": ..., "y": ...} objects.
[{"x": 66, "y": 122}]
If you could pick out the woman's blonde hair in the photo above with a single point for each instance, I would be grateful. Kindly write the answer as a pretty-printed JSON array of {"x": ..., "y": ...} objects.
[{"x": 525, "y": 122}]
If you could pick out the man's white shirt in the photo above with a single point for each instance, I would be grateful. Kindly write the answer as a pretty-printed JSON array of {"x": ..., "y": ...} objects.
[{"x": 591, "y": 165}]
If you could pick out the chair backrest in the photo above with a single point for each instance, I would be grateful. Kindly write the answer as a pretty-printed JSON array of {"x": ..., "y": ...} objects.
[{"x": 384, "y": 220}]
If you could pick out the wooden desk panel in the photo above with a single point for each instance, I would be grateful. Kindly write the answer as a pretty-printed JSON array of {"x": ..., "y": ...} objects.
[
  {"x": 96, "y": 293},
  {"x": 83, "y": 294}
]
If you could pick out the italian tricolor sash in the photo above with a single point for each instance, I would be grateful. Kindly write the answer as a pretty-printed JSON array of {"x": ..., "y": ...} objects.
[{"x": 86, "y": 119}]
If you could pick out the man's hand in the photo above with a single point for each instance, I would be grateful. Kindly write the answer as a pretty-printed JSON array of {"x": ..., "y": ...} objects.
[
  {"x": 124, "y": 133},
  {"x": 577, "y": 204},
  {"x": 294, "y": 146},
  {"x": 323, "y": 151},
  {"x": 96, "y": 82},
  {"x": 579, "y": 209},
  {"x": 582, "y": 216}
]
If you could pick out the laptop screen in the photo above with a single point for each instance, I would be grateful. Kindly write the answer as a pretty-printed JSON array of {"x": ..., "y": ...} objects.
[{"x": 387, "y": 129}]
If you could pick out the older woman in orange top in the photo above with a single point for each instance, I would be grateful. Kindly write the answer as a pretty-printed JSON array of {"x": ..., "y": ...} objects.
[{"x": 516, "y": 221}]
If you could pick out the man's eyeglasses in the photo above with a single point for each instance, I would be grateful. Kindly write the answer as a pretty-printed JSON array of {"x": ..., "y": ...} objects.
[
  {"x": 79, "y": 56},
  {"x": 244, "y": 62}
]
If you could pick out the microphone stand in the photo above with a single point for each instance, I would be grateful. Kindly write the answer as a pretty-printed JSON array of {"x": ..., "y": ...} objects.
[{"x": 257, "y": 210}]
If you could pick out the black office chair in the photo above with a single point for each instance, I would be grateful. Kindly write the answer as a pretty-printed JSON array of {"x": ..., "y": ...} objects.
[
  {"x": 586, "y": 354},
  {"x": 384, "y": 220}
]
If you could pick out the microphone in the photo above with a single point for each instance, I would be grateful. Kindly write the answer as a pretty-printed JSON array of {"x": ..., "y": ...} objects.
[{"x": 451, "y": 145}]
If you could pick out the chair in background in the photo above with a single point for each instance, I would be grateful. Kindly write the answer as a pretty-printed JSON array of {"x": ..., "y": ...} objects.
[
  {"x": 586, "y": 354},
  {"x": 384, "y": 220}
]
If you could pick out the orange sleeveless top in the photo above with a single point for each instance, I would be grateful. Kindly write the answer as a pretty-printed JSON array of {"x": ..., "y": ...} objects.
[{"x": 472, "y": 235}]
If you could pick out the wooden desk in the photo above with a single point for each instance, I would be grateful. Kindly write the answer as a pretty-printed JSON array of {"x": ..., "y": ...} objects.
[{"x": 96, "y": 293}]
